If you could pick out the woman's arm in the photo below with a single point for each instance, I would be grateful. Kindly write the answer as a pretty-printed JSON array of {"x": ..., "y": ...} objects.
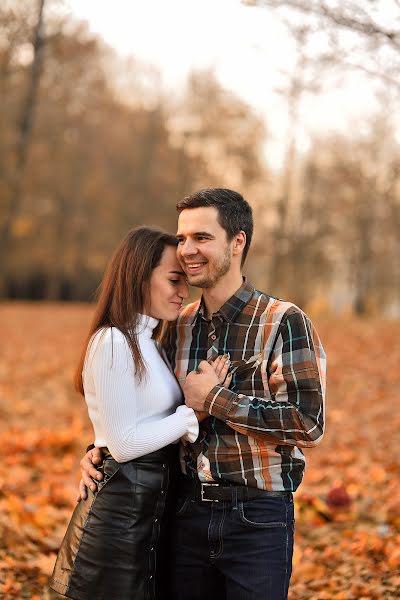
[{"x": 117, "y": 394}]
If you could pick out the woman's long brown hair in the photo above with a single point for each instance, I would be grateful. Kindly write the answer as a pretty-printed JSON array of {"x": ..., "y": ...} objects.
[{"x": 125, "y": 291}]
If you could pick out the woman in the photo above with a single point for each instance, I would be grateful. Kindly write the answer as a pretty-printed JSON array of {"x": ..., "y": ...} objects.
[{"x": 112, "y": 546}]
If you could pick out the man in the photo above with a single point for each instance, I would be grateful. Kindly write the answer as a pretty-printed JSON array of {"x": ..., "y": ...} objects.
[{"x": 233, "y": 531}]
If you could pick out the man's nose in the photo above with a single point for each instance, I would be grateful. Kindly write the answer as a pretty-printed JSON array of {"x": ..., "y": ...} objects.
[{"x": 187, "y": 248}]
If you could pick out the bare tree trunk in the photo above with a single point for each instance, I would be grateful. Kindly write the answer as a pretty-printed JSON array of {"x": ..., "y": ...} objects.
[
  {"x": 392, "y": 267},
  {"x": 300, "y": 267},
  {"x": 22, "y": 144},
  {"x": 285, "y": 199},
  {"x": 363, "y": 263},
  {"x": 149, "y": 143},
  {"x": 183, "y": 178}
]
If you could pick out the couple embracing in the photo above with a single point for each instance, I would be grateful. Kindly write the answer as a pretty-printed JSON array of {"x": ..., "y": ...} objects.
[{"x": 237, "y": 378}]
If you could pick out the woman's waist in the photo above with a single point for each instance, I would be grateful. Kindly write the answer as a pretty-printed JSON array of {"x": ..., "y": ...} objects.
[{"x": 163, "y": 455}]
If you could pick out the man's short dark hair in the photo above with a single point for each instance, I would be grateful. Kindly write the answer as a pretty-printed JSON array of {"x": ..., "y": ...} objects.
[{"x": 234, "y": 212}]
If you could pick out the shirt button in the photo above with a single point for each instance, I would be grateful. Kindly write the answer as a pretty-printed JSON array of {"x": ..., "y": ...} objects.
[
  {"x": 213, "y": 337},
  {"x": 151, "y": 576},
  {"x": 156, "y": 520},
  {"x": 162, "y": 491}
]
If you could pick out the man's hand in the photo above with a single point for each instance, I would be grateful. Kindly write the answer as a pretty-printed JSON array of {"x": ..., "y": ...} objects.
[
  {"x": 199, "y": 383},
  {"x": 93, "y": 457},
  {"x": 201, "y": 415}
]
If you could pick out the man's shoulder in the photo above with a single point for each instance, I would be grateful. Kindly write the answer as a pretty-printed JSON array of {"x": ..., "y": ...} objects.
[
  {"x": 273, "y": 306},
  {"x": 188, "y": 313}
]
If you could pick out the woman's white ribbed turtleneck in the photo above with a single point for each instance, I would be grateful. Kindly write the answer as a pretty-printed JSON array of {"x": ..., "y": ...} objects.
[{"x": 130, "y": 418}]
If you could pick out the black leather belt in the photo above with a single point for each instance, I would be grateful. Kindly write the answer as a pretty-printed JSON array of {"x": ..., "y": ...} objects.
[{"x": 224, "y": 492}]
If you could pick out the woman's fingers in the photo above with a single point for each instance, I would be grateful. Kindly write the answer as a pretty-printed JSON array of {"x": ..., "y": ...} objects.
[
  {"x": 218, "y": 363},
  {"x": 224, "y": 369},
  {"x": 228, "y": 380},
  {"x": 221, "y": 367}
]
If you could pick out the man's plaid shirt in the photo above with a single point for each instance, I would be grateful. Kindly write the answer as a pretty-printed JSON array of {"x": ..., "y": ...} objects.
[{"x": 275, "y": 404}]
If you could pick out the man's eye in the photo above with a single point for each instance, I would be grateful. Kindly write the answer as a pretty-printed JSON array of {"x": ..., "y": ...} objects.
[{"x": 180, "y": 241}]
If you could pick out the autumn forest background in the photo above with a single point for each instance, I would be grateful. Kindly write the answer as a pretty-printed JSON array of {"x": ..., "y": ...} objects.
[{"x": 92, "y": 144}]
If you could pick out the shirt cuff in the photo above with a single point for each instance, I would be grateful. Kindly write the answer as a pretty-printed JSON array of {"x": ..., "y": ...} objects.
[
  {"x": 219, "y": 402},
  {"x": 192, "y": 423}
]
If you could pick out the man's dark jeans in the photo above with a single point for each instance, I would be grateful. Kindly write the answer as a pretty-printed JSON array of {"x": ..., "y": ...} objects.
[{"x": 233, "y": 550}]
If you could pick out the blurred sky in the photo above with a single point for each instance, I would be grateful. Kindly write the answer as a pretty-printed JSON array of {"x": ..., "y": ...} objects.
[{"x": 249, "y": 49}]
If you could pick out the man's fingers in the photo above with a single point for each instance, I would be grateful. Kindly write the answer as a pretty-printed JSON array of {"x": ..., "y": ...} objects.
[
  {"x": 97, "y": 457},
  {"x": 91, "y": 471},
  {"x": 88, "y": 468},
  {"x": 88, "y": 481},
  {"x": 88, "y": 472},
  {"x": 203, "y": 366},
  {"x": 82, "y": 491}
]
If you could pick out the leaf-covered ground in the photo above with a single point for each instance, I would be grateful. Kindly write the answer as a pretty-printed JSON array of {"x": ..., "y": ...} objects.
[{"x": 347, "y": 509}]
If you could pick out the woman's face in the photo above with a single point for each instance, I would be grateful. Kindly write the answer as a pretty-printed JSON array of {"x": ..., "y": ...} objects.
[{"x": 168, "y": 287}]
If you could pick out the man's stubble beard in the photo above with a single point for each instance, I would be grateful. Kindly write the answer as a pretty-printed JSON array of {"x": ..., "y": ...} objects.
[{"x": 220, "y": 269}]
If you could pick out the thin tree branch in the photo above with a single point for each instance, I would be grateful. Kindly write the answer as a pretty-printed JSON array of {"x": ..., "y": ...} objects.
[{"x": 366, "y": 27}]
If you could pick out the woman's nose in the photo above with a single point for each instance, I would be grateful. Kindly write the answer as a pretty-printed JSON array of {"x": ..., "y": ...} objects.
[{"x": 184, "y": 291}]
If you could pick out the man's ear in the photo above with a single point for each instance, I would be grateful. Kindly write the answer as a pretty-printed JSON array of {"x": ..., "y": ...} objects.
[{"x": 239, "y": 242}]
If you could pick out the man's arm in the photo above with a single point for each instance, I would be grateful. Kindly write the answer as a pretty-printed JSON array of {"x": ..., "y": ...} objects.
[{"x": 292, "y": 409}]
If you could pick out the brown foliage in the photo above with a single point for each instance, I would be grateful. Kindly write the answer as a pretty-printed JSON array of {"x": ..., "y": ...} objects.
[
  {"x": 347, "y": 509},
  {"x": 96, "y": 153}
]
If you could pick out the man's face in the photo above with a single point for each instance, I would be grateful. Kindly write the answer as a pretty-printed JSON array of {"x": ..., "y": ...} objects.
[{"x": 203, "y": 249}]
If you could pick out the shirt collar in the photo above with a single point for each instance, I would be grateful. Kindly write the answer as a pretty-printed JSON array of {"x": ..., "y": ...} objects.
[{"x": 233, "y": 306}]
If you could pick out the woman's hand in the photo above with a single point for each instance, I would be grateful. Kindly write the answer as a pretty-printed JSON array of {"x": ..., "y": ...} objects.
[
  {"x": 221, "y": 367},
  {"x": 199, "y": 383}
]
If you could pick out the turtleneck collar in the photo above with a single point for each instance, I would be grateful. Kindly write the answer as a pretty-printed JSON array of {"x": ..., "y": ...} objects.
[{"x": 146, "y": 325}]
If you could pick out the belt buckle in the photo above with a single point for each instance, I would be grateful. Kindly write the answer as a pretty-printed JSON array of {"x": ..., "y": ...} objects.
[{"x": 203, "y": 485}]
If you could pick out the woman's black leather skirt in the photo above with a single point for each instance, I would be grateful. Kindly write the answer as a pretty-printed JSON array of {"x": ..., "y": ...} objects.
[{"x": 115, "y": 545}]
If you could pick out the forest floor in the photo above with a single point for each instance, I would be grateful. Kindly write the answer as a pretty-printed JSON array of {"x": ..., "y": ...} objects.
[{"x": 347, "y": 508}]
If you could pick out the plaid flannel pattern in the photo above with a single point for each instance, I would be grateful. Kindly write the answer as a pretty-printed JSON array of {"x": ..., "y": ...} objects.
[{"x": 274, "y": 406}]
